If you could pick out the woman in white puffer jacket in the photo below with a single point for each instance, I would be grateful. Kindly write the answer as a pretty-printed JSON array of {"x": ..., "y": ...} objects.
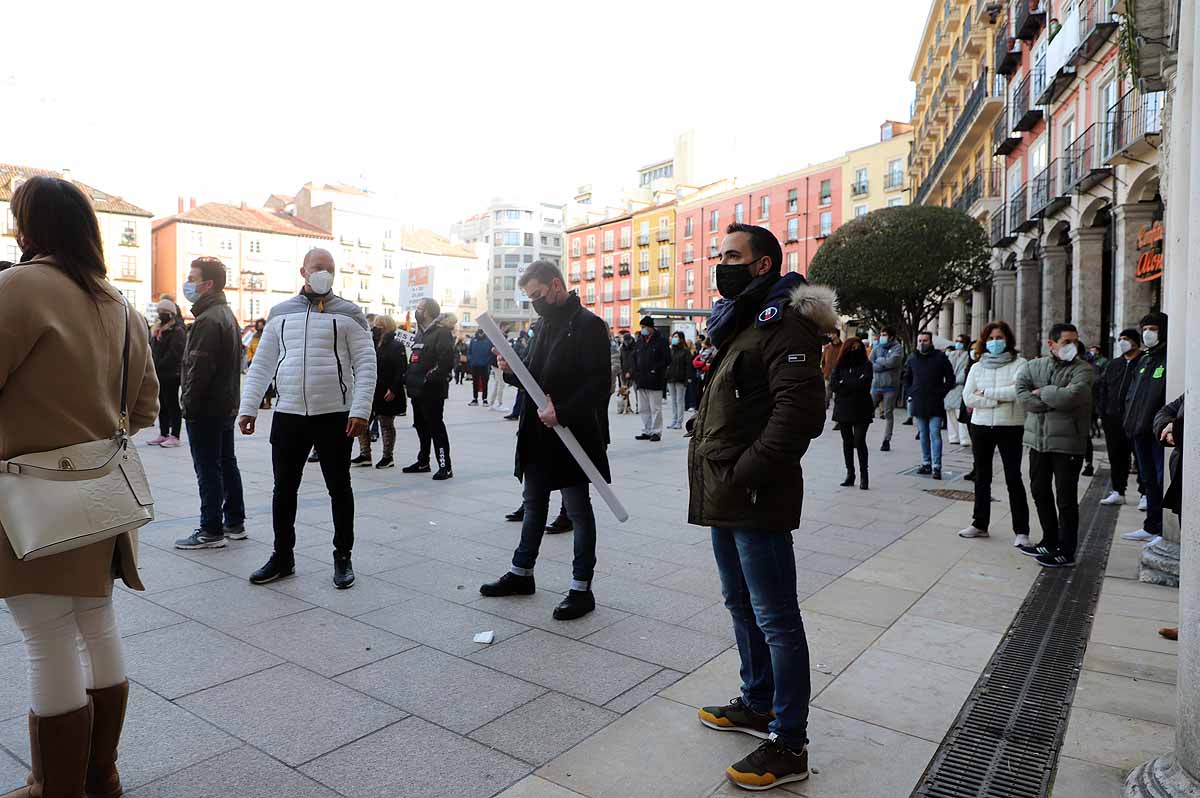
[{"x": 998, "y": 420}]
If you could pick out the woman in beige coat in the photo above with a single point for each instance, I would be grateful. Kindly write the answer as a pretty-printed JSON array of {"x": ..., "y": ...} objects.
[{"x": 62, "y": 326}]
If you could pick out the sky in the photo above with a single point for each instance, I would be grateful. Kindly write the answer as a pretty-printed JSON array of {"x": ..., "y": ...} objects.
[{"x": 439, "y": 106}]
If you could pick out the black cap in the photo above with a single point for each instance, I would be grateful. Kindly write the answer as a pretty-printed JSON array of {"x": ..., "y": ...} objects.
[
  {"x": 1159, "y": 320},
  {"x": 1133, "y": 334},
  {"x": 647, "y": 321}
]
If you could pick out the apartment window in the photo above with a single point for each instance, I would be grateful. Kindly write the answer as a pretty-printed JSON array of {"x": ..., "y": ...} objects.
[
  {"x": 608, "y": 240},
  {"x": 608, "y": 314},
  {"x": 689, "y": 284},
  {"x": 591, "y": 245},
  {"x": 625, "y": 289},
  {"x": 895, "y": 175},
  {"x": 644, "y": 234},
  {"x": 687, "y": 227},
  {"x": 608, "y": 291},
  {"x": 131, "y": 295},
  {"x": 793, "y": 261},
  {"x": 591, "y": 294},
  {"x": 574, "y": 271},
  {"x": 739, "y": 213},
  {"x": 624, "y": 315},
  {"x": 129, "y": 237},
  {"x": 512, "y": 215},
  {"x": 364, "y": 283},
  {"x": 14, "y": 254},
  {"x": 226, "y": 246},
  {"x": 196, "y": 240},
  {"x": 11, "y": 222},
  {"x": 793, "y": 200},
  {"x": 764, "y": 206},
  {"x": 826, "y": 222},
  {"x": 895, "y": 202},
  {"x": 712, "y": 278},
  {"x": 826, "y": 192},
  {"x": 511, "y": 238},
  {"x": 712, "y": 247},
  {"x": 255, "y": 247},
  {"x": 793, "y": 231},
  {"x": 574, "y": 247},
  {"x": 644, "y": 286},
  {"x": 861, "y": 185},
  {"x": 644, "y": 260},
  {"x": 626, "y": 232},
  {"x": 591, "y": 268},
  {"x": 545, "y": 241},
  {"x": 689, "y": 253},
  {"x": 528, "y": 258},
  {"x": 664, "y": 283},
  {"x": 510, "y": 283},
  {"x": 556, "y": 241},
  {"x": 129, "y": 266},
  {"x": 512, "y": 261},
  {"x": 529, "y": 239},
  {"x": 387, "y": 263},
  {"x": 664, "y": 257},
  {"x": 714, "y": 221},
  {"x": 860, "y": 210}
]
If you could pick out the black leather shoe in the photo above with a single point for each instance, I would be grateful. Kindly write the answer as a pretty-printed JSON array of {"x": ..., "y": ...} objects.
[
  {"x": 343, "y": 571},
  {"x": 865, "y": 482},
  {"x": 443, "y": 473},
  {"x": 1088, "y": 471},
  {"x": 937, "y": 473},
  {"x": 908, "y": 422},
  {"x": 848, "y": 482},
  {"x": 561, "y": 524},
  {"x": 516, "y": 515},
  {"x": 654, "y": 438},
  {"x": 970, "y": 475},
  {"x": 643, "y": 437},
  {"x": 361, "y": 460},
  {"x": 577, "y": 604},
  {"x": 509, "y": 585},
  {"x": 276, "y": 568},
  {"x": 417, "y": 468},
  {"x": 886, "y": 447},
  {"x": 925, "y": 470}
]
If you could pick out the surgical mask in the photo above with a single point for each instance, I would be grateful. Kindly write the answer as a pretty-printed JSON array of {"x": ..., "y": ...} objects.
[
  {"x": 1150, "y": 338},
  {"x": 996, "y": 346},
  {"x": 646, "y": 332},
  {"x": 677, "y": 340},
  {"x": 958, "y": 346},
  {"x": 924, "y": 348},
  {"x": 733, "y": 279},
  {"x": 321, "y": 282},
  {"x": 1067, "y": 352},
  {"x": 531, "y": 333},
  {"x": 191, "y": 292},
  {"x": 1125, "y": 345},
  {"x": 883, "y": 339}
]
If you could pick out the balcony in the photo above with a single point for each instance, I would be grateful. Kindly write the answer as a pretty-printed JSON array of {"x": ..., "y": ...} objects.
[
  {"x": 591, "y": 274},
  {"x": 609, "y": 246},
  {"x": 941, "y": 47},
  {"x": 821, "y": 231},
  {"x": 951, "y": 13},
  {"x": 624, "y": 270},
  {"x": 974, "y": 38},
  {"x": 591, "y": 248},
  {"x": 1024, "y": 116},
  {"x": 1095, "y": 25},
  {"x": 1001, "y": 237},
  {"x": 1134, "y": 127},
  {"x": 975, "y": 117},
  {"x": 859, "y": 189},
  {"x": 689, "y": 257},
  {"x": 1018, "y": 210},
  {"x": 1046, "y": 198},
  {"x": 624, "y": 242},
  {"x": 987, "y": 11},
  {"x": 1004, "y": 140},
  {"x": 664, "y": 236},
  {"x": 893, "y": 181},
  {"x": 643, "y": 239},
  {"x": 1008, "y": 52},
  {"x": 1052, "y": 88},
  {"x": 644, "y": 267},
  {"x": 575, "y": 278},
  {"x": 608, "y": 296},
  {"x": 1084, "y": 168},
  {"x": 1030, "y": 17},
  {"x": 960, "y": 68}
]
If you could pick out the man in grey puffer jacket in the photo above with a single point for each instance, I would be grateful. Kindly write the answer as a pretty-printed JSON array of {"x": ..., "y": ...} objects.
[
  {"x": 1057, "y": 394},
  {"x": 886, "y": 358}
]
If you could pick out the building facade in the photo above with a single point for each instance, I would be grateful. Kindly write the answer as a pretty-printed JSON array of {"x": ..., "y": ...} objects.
[
  {"x": 654, "y": 258},
  {"x": 599, "y": 262},
  {"x": 124, "y": 232},
  {"x": 452, "y": 274},
  {"x": 877, "y": 175},
  {"x": 262, "y": 249},
  {"x": 513, "y": 235}
]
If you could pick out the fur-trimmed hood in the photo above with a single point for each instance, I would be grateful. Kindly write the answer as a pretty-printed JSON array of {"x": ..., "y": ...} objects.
[
  {"x": 816, "y": 303},
  {"x": 447, "y": 320}
]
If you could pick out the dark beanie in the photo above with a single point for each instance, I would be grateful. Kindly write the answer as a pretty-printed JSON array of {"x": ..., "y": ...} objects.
[
  {"x": 1132, "y": 334},
  {"x": 1159, "y": 320},
  {"x": 647, "y": 321}
]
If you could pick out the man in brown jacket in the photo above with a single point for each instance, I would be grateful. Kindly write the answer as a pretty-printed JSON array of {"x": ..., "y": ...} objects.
[
  {"x": 829, "y": 358},
  {"x": 763, "y": 404}
]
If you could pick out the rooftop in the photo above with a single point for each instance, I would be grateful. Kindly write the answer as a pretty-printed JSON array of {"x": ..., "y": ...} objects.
[
  {"x": 428, "y": 242},
  {"x": 258, "y": 220},
  {"x": 101, "y": 201}
]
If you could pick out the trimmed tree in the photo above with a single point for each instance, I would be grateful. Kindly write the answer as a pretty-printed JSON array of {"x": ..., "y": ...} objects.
[{"x": 898, "y": 266}]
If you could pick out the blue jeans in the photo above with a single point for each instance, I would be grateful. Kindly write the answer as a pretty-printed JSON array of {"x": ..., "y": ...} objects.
[
  {"x": 931, "y": 439},
  {"x": 220, "y": 481},
  {"x": 758, "y": 580},
  {"x": 1149, "y": 454},
  {"x": 537, "y": 508}
]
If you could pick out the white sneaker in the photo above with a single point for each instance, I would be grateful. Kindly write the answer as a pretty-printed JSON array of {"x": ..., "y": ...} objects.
[
  {"x": 973, "y": 532},
  {"x": 1021, "y": 540},
  {"x": 1152, "y": 541},
  {"x": 1143, "y": 503},
  {"x": 1113, "y": 498},
  {"x": 1141, "y": 534}
]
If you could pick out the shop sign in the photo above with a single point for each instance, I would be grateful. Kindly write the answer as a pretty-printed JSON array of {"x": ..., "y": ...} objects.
[{"x": 1150, "y": 249}]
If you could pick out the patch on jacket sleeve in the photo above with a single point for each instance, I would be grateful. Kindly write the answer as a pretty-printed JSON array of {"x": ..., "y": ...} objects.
[
  {"x": 795, "y": 359},
  {"x": 768, "y": 315}
]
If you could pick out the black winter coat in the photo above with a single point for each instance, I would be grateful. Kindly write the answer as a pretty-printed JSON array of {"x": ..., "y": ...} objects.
[
  {"x": 212, "y": 361},
  {"x": 167, "y": 348},
  {"x": 1173, "y": 414},
  {"x": 391, "y": 359},
  {"x": 927, "y": 379},
  {"x": 431, "y": 366},
  {"x": 569, "y": 359},
  {"x": 680, "y": 369},
  {"x": 851, "y": 384},
  {"x": 1113, "y": 385},
  {"x": 651, "y": 357},
  {"x": 1147, "y": 392}
]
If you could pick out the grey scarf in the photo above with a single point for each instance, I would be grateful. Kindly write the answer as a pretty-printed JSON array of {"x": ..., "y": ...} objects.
[{"x": 990, "y": 361}]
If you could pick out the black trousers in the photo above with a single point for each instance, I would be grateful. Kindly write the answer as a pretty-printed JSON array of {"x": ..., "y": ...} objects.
[
  {"x": 292, "y": 437},
  {"x": 1054, "y": 483},
  {"x": 1120, "y": 450},
  {"x": 431, "y": 430},
  {"x": 170, "y": 417},
  {"x": 986, "y": 441},
  {"x": 854, "y": 438},
  {"x": 479, "y": 381}
]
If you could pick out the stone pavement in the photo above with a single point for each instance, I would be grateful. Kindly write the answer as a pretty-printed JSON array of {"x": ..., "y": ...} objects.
[{"x": 299, "y": 690}]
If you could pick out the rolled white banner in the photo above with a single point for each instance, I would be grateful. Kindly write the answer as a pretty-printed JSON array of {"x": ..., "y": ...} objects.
[{"x": 535, "y": 392}]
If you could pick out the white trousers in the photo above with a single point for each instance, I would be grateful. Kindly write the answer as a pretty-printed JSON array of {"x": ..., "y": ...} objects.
[
  {"x": 650, "y": 406},
  {"x": 956, "y": 430},
  {"x": 497, "y": 385},
  {"x": 73, "y": 646}
]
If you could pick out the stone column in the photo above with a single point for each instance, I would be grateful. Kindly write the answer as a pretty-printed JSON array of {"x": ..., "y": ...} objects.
[
  {"x": 1029, "y": 310},
  {"x": 1175, "y": 775},
  {"x": 1004, "y": 286},
  {"x": 945, "y": 321},
  {"x": 1087, "y": 282},
  {"x": 979, "y": 311},
  {"x": 962, "y": 325},
  {"x": 1054, "y": 288},
  {"x": 1131, "y": 299}
]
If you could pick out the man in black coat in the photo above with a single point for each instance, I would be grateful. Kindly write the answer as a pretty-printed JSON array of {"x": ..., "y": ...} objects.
[
  {"x": 569, "y": 358},
  {"x": 430, "y": 369},
  {"x": 928, "y": 377},
  {"x": 1111, "y": 389},
  {"x": 651, "y": 358},
  {"x": 1147, "y": 394}
]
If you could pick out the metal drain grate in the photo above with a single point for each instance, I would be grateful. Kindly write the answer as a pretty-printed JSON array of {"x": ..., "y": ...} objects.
[
  {"x": 957, "y": 495},
  {"x": 1005, "y": 741}
]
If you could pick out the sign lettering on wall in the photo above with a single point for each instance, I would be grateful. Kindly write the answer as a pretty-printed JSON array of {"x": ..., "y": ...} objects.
[{"x": 1150, "y": 247}]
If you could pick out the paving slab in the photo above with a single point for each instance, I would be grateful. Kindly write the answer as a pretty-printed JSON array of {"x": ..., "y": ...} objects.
[
  {"x": 243, "y": 772},
  {"x": 833, "y": 643},
  {"x": 1115, "y": 741},
  {"x": 1076, "y": 778},
  {"x": 538, "y": 610},
  {"x": 898, "y": 573},
  {"x": 229, "y": 603},
  {"x": 323, "y": 641},
  {"x": 537, "y": 787},
  {"x": 135, "y": 615},
  {"x": 941, "y": 642},
  {"x": 367, "y": 595},
  {"x": 878, "y": 605},
  {"x": 652, "y": 601},
  {"x": 200, "y": 658},
  {"x": 1123, "y": 695},
  {"x": 443, "y": 580},
  {"x": 1146, "y": 665},
  {"x": 12, "y": 772},
  {"x": 14, "y": 690},
  {"x": 668, "y": 645},
  {"x": 443, "y": 624},
  {"x": 1127, "y": 632},
  {"x": 544, "y": 728},
  {"x": 990, "y": 612},
  {"x": 636, "y": 695}
]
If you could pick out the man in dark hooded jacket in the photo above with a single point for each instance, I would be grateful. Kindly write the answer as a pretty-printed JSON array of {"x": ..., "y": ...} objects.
[
  {"x": 763, "y": 403},
  {"x": 1147, "y": 394}
]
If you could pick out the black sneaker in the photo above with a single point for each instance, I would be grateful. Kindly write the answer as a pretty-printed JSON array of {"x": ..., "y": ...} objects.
[
  {"x": 511, "y": 418},
  {"x": 473, "y": 403},
  {"x": 276, "y": 568},
  {"x": 417, "y": 468},
  {"x": 886, "y": 447},
  {"x": 769, "y": 765},
  {"x": 516, "y": 515},
  {"x": 1036, "y": 551},
  {"x": 969, "y": 476},
  {"x": 560, "y": 524},
  {"x": 654, "y": 438},
  {"x": 361, "y": 460},
  {"x": 643, "y": 437},
  {"x": 509, "y": 585},
  {"x": 386, "y": 462},
  {"x": 343, "y": 571},
  {"x": 485, "y": 404},
  {"x": 925, "y": 470},
  {"x": 577, "y": 604},
  {"x": 201, "y": 540},
  {"x": 235, "y": 532},
  {"x": 937, "y": 473},
  {"x": 1056, "y": 561},
  {"x": 908, "y": 422},
  {"x": 739, "y": 717},
  {"x": 1088, "y": 471},
  {"x": 443, "y": 473}
]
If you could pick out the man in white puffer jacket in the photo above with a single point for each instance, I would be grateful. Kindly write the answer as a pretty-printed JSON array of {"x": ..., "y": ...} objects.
[{"x": 318, "y": 350}]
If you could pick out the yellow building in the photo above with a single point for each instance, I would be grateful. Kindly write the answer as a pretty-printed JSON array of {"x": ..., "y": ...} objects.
[
  {"x": 959, "y": 101},
  {"x": 654, "y": 255},
  {"x": 877, "y": 175}
]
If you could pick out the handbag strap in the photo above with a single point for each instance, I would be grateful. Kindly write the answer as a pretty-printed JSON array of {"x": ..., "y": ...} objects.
[{"x": 123, "y": 420}]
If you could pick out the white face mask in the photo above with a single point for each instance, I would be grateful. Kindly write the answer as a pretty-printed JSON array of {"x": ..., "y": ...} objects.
[
  {"x": 321, "y": 282},
  {"x": 1150, "y": 338},
  {"x": 1125, "y": 345},
  {"x": 883, "y": 339},
  {"x": 1068, "y": 352}
]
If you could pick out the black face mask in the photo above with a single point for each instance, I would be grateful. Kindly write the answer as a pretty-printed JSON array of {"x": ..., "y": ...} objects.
[
  {"x": 376, "y": 334},
  {"x": 165, "y": 317},
  {"x": 733, "y": 279}
]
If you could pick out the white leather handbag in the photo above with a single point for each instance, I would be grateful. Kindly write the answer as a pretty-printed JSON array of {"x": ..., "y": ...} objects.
[{"x": 68, "y": 498}]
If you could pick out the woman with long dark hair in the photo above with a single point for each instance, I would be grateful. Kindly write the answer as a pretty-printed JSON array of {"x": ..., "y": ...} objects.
[
  {"x": 63, "y": 330},
  {"x": 853, "y": 409}
]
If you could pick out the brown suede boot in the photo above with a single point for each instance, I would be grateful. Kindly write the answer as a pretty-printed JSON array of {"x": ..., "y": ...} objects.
[
  {"x": 58, "y": 750},
  {"x": 108, "y": 707}
]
